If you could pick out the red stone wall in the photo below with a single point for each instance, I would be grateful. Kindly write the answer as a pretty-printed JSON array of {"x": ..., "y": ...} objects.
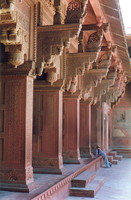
[{"x": 121, "y": 124}]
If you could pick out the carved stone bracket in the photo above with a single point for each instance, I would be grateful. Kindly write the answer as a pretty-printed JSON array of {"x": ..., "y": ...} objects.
[
  {"x": 90, "y": 80},
  {"x": 9, "y": 35},
  {"x": 77, "y": 63},
  {"x": 16, "y": 56},
  {"x": 115, "y": 92},
  {"x": 51, "y": 42}
]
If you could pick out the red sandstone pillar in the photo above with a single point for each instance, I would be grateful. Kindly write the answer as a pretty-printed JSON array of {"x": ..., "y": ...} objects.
[
  {"x": 94, "y": 127},
  {"x": 16, "y": 105},
  {"x": 47, "y": 133},
  {"x": 85, "y": 129},
  {"x": 71, "y": 113}
]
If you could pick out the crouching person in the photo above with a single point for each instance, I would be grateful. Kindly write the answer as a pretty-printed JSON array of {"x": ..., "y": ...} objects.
[{"x": 104, "y": 156}]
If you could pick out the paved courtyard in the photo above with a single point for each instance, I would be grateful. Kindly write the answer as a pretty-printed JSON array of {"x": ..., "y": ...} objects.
[{"x": 117, "y": 184}]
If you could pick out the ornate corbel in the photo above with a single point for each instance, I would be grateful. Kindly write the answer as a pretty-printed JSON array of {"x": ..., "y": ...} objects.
[
  {"x": 76, "y": 64},
  {"x": 51, "y": 42},
  {"x": 16, "y": 56},
  {"x": 8, "y": 37}
]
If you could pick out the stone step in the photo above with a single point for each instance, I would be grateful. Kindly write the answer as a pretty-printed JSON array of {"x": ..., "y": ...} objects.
[
  {"x": 90, "y": 190},
  {"x": 118, "y": 157},
  {"x": 113, "y": 153},
  {"x": 110, "y": 158},
  {"x": 83, "y": 179},
  {"x": 115, "y": 162}
]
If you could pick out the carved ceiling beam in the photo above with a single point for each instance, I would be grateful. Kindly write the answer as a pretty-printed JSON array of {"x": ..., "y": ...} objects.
[
  {"x": 90, "y": 80},
  {"x": 95, "y": 27}
]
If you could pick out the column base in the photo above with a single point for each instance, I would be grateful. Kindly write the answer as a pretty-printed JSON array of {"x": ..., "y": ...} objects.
[
  {"x": 86, "y": 153},
  {"x": 73, "y": 161},
  {"x": 18, "y": 187},
  {"x": 71, "y": 158},
  {"x": 48, "y": 170},
  {"x": 48, "y": 165},
  {"x": 17, "y": 179}
]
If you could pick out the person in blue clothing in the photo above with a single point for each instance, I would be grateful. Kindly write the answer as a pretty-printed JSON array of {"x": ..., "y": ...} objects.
[{"x": 104, "y": 156}]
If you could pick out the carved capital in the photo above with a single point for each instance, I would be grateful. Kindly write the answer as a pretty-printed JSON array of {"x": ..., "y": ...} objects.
[
  {"x": 41, "y": 85},
  {"x": 74, "y": 95},
  {"x": 26, "y": 69}
]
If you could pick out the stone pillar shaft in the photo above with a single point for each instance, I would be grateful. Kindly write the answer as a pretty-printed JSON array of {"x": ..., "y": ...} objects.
[
  {"x": 47, "y": 133},
  {"x": 85, "y": 129},
  {"x": 94, "y": 126},
  {"x": 16, "y": 171},
  {"x": 71, "y": 152}
]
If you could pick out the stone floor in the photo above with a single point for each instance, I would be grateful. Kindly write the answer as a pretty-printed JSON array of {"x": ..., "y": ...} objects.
[{"x": 117, "y": 184}]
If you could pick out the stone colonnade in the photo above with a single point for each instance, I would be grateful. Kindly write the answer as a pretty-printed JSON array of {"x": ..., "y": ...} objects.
[{"x": 63, "y": 130}]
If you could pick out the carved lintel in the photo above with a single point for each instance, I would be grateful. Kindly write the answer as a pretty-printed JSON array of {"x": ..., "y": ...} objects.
[{"x": 94, "y": 27}]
